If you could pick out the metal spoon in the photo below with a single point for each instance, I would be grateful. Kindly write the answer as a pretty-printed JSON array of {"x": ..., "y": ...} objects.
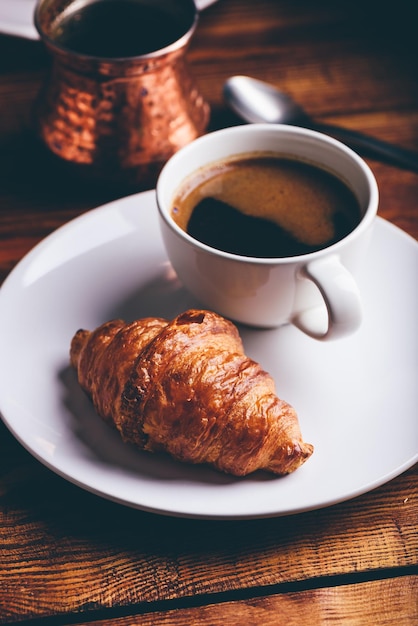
[{"x": 256, "y": 101}]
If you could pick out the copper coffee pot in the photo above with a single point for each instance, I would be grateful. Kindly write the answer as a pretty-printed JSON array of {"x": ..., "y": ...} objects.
[{"x": 118, "y": 118}]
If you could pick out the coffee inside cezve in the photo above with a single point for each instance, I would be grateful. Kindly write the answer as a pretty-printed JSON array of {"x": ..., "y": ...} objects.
[
  {"x": 120, "y": 28},
  {"x": 266, "y": 207}
]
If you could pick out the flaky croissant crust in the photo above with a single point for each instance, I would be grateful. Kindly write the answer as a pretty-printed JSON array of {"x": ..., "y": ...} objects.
[{"x": 186, "y": 387}]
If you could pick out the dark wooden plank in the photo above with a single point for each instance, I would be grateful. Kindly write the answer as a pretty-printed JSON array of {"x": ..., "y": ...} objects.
[
  {"x": 66, "y": 550},
  {"x": 381, "y": 603},
  {"x": 362, "y": 59}
]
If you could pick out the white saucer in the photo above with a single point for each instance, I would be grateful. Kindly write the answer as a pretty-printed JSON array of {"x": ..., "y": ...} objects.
[
  {"x": 16, "y": 17},
  {"x": 357, "y": 398}
]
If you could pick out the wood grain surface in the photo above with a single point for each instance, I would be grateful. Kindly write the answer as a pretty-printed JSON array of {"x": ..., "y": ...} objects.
[
  {"x": 381, "y": 603},
  {"x": 69, "y": 557}
]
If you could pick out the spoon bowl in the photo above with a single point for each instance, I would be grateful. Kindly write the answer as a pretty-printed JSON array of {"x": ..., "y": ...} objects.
[{"x": 258, "y": 102}]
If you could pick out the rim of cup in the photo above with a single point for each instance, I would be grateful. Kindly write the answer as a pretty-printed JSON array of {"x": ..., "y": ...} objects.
[
  {"x": 165, "y": 190},
  {"x": 178, "y": 44}
]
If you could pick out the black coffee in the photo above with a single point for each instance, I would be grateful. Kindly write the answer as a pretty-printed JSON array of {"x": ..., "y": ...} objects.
[
  {"x": 121, "y": 28},
  {"x": 266, "y": 207}
]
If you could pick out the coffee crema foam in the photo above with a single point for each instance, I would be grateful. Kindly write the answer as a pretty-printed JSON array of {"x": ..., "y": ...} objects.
[{"x": 310, "y": 204}]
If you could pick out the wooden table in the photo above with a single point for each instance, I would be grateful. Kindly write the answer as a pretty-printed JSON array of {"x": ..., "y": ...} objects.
[{"x": 69, "y": 557}]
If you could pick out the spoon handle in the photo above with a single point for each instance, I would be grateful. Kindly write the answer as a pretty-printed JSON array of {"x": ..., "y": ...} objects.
[{"x": 372, "y": 147}]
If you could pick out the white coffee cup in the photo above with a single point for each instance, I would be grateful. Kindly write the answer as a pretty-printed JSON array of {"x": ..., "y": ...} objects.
[{"x": 317, "y": 292}]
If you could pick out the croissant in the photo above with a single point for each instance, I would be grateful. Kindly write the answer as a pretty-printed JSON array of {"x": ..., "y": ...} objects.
[{"x": 187, "y": 388}]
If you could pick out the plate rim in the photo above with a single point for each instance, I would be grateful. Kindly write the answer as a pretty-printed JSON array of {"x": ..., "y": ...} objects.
[{"x": 149, "y": 196}]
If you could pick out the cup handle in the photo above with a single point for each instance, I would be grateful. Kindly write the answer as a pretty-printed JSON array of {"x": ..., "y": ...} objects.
[{"x": 341, "y": 296}]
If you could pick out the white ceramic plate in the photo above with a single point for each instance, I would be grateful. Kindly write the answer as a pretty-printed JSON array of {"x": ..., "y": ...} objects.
[
  {"x": 16, "y": 17},
  {"x": 357, "y": 398}
]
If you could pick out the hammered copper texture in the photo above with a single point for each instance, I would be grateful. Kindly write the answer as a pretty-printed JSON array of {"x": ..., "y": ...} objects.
[{"x": 119, "y": 119}]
